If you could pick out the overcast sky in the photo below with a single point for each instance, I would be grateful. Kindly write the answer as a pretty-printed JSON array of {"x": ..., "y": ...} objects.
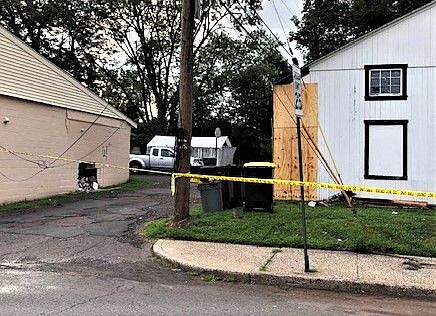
[{"x": 285, "y": 9}]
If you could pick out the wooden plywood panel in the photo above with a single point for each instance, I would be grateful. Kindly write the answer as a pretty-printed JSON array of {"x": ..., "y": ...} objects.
[{"x": 285, "y": 153}]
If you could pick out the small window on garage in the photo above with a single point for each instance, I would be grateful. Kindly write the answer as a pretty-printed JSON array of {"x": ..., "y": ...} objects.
[
  {"x": 386, "y": 149},
  {"x": 385, "y": 82}
]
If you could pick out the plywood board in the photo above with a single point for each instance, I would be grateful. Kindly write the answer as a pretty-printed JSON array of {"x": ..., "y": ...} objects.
[{"x": 285, "y": 150}]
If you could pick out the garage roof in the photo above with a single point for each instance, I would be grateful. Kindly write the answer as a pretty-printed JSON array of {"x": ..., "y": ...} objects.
[{"x": 25, "y": 74}]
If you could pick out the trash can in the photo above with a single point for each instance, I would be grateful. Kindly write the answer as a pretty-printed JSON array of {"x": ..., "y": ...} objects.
[
  {"x": 211, "y": 197},
  {"x": 231, "y": 191},
  {"x": 258, "y": 196}
]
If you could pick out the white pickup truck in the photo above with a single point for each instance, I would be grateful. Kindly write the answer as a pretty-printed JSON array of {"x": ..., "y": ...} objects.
[{"x": 158, "y": 158}]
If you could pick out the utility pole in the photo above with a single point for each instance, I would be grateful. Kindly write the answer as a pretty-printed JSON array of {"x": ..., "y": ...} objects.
[
  {"x": 184, "y": 136},
  {"x": 298, "y": 104}
]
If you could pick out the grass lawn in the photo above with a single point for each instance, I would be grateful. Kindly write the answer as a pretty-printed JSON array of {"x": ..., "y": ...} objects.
[
  {"x": 133, "y": 183},
  {"x": 372, "y": 230}
]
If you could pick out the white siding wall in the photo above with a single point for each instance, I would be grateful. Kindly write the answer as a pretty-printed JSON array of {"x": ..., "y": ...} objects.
[{"x": 343, "y": 109}]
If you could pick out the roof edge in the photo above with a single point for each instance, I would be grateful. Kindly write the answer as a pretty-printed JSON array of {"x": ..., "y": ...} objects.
[
  {"x": 370, "y": 33},
  {"x": 66, "y": 76}
]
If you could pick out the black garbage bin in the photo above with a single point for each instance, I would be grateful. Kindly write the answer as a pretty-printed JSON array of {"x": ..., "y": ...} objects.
[
  {"x": 231, "y": 191},
  {"x": 258, "y": 196}
]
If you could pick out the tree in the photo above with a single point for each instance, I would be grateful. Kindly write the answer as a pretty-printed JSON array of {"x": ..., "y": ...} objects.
[
  {"x": 235, "y": 91},
  {"x": 148, "y": 34},
  {"x": 127, "y": 51},
  {"x": 68, "y": 33},
  {"x": 329, "y": 24}
]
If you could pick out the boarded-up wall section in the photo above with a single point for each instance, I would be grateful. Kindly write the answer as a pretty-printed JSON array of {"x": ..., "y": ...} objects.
[{"x": 285, "y": 151}]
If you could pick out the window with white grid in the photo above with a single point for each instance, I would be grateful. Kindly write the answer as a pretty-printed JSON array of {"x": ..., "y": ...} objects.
[{"x": 385, "y": 82}]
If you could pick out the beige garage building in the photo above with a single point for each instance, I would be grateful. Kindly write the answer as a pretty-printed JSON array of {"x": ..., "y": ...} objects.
[{"x": 45, "y": 111}]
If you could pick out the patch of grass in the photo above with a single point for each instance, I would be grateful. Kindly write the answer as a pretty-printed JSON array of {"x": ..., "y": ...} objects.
[
  {"x": 133, "y": 183},
  {"x": 209, "y": 277},
  {"x": 263, "y": 268},
  {"x": 371, "y": 230},
  {"x": 276, "y": 250}
]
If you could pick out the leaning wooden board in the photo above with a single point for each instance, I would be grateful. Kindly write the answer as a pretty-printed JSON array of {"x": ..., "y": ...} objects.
[{"x": 285, "y": 154}]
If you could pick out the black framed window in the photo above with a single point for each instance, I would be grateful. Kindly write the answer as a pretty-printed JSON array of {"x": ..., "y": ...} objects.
[
  {"x": 386, "y": 149},
  {"x": 386, "y": 82}
]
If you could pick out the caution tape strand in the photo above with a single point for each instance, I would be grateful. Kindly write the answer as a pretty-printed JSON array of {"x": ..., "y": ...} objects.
[{"x": 175, "y": 175}]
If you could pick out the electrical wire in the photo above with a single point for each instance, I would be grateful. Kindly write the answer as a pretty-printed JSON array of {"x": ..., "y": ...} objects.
[
  {"x": 281, "y": 24},
  {"x": 81, "y": 135},
  {"x": 50, "y": 166},
  {"x": 289, "y": 52},
  {"x": 40, "y": 163},
  {"x": 281, "y": 101},
  {"x": 319, "y": 125},
  {"x": 289, "y": 9},
  {"x": 98, "y": 146},
  {"x": 24, "y": 179}
]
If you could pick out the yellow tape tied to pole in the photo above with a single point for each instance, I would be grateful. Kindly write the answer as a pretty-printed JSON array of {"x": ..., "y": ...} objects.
[{"x": 332, "y": 186}]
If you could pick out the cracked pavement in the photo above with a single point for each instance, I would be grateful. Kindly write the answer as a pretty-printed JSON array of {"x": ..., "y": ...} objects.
[{"x": 85, "y": 257}]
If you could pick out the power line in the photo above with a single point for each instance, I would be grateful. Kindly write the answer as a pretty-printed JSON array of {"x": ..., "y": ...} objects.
[
  {"x": 289, "y": 52},
  {"x": 81, "y": 135},
  {"x": 50, "y": 166},
  {"x": 289, "y": 9},
  {"x": 25, "y": 179},
  {"x": 98, "y": 146},
  {"x": 281, "y": 23},
  {"x": 281, "y": 101},
  {"x": 40, "y": 163}
]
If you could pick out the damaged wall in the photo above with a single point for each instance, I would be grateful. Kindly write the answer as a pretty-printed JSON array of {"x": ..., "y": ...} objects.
[{"x": 43, "y": 129}]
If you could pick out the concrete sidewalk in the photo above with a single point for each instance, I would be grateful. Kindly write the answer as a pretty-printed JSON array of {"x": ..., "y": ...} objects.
[{"x": 332, "y": 270}]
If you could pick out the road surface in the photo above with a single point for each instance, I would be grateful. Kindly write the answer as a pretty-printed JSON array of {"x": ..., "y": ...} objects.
[{"x": 84, "y": 258}]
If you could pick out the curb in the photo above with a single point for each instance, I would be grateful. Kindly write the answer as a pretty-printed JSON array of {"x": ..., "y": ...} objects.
[{"x": 302, "y": 282}]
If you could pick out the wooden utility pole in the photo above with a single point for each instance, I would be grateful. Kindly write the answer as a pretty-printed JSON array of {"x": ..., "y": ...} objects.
[{"x": 181, "y": 211}]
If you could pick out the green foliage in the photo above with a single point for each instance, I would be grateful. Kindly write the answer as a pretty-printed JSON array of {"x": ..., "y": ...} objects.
[
  {"x": 329, "y": 24},
  {"x": 233, "y": 90},
  {"x": 69, "y": 33},
  {"x": 127, "y": 51},
  {"x": 410, "y": 232}
]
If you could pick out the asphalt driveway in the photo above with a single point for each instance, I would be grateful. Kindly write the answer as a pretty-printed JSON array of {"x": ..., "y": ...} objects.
[{"x": 84, "y": 257}]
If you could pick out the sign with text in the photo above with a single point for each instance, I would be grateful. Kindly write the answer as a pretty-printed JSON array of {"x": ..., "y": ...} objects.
[{"x": 298, "y": 101}]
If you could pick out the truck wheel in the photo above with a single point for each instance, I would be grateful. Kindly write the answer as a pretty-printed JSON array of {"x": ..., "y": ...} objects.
[{"x": 136, "y": 165}]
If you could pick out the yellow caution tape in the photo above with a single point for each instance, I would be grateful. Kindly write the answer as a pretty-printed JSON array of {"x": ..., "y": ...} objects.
[{"x": 332, "y": 186}]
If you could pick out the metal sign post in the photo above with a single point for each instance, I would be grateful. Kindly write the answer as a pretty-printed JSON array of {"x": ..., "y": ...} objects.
[
  {"x": 217, "y": 135},
  {"x": 298, "y": 105}
]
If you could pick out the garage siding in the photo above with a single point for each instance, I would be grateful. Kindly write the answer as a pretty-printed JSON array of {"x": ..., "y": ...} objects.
[
  {"x": 38, "y": 128},
  {"x": 27, "y": 75}
]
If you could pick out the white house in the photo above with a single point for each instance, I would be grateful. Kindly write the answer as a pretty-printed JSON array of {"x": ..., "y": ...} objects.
[
  {"x": 202, "y": 147},
  {"x": 377, "y": 105}
]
